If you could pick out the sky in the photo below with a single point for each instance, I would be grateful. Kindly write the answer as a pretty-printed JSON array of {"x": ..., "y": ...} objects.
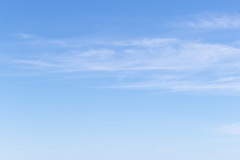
[{"x": 114, "y": 80}]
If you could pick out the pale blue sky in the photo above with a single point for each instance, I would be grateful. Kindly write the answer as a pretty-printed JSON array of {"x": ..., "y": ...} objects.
[{"x": 114, "y": 80}]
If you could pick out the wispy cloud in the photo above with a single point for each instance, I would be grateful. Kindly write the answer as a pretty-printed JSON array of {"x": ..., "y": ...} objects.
[
  {"x": 35, "y": 63},
  {"x": 232, "y": 129},
  {"x": 25, "y": 36},
  {"x": 215, "y": 21},
  {"x": 157, "y": 63}
]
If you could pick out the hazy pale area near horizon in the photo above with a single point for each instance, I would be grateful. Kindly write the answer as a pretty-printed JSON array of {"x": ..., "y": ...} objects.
[{"x": 119, "y": 80}]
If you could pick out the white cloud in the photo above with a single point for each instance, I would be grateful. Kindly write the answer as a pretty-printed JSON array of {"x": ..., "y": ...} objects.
[
  {"x": 232, "y": 129},
  {"x": 26, "y": 36},
  {"x": 34, "y": 63},
  {"x": 215, "y": 21},
  {"x": 170, "y": 64}
]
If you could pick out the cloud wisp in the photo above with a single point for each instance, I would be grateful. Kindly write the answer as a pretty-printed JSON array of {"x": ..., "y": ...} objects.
[
  {"x": 157, "y": 63},
  {"x": 214, "y": 21},
  {"x": 231, "y": 129}
]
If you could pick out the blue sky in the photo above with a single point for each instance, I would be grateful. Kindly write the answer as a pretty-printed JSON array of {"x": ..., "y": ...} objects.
[{"x": 113, "y": 80}]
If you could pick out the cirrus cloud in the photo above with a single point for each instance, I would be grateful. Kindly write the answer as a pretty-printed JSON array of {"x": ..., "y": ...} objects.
[{"x": 154, "y": 63}]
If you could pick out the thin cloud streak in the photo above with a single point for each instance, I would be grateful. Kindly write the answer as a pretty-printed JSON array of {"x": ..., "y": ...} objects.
[
  {"x": 162, "y": 63},
  {"x": 231, "y": 129},
  {"x": 215, "y": 21}
]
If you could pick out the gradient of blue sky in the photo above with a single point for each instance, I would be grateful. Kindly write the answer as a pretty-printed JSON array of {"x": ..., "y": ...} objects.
[{"x": 113, "y": 80}]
